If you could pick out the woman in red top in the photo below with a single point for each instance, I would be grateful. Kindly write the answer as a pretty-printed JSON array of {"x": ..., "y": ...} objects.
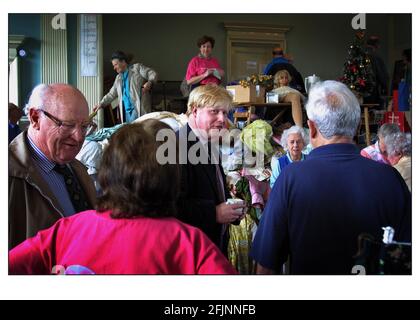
[{"x": 204, "y": 69}]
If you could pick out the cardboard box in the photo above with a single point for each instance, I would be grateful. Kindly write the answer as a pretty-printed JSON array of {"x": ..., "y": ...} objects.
[{"x": 243, "y": 95}]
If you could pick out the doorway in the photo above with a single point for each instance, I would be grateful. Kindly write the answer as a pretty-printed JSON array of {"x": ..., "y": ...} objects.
[
  {"x": 249, "y": 48},
  {"x": 248, "y": 59}
]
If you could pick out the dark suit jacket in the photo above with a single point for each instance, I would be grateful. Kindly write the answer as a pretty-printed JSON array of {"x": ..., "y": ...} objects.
[{"x": 199, "y": 194}]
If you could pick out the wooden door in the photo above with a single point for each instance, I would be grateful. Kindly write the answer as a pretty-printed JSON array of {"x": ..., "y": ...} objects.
[
  {"x": 249, "y": 48},
  {"x": 249, "y": 59}
]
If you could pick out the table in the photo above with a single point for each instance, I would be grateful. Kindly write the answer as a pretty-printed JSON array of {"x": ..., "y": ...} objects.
[
  {"x": 247, "y": 114},
  {"x": 250, "y": 106}
]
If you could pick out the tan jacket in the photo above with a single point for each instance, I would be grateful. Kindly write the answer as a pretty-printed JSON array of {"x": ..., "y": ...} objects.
[
  {"x": 32, "y": 205},
  {"x": 404, "y": 168},
  {"x": 138, "y": 75}
]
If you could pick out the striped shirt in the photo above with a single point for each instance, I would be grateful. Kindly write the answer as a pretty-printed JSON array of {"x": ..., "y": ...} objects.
[{"x": 54, "y": 179}]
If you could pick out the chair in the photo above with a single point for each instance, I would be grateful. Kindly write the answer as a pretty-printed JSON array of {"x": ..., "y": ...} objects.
[
  {"x": 111, "y": 114},
  {"x": 376, "y": 257},
  {"x": 242, "y": 115},
  {"x": 168, "y": 95}
]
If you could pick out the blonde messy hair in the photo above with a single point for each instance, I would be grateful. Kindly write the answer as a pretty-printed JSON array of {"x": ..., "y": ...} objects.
[
  {"x": 209, "y": 95},
  {"x": 278, "y": 75}
]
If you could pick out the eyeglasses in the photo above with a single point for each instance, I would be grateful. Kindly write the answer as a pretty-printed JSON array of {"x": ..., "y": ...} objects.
[{"x": 69, "y": 128}]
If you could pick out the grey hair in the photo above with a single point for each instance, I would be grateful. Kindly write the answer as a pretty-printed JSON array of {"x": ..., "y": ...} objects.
[
  {"x": 398, "y": 143},
  {"x": 291, "y": 130},
  {"x": 387, "y": 129},
  {"x": 334, "y": 109},
  {"x": 38, "y": 97}
]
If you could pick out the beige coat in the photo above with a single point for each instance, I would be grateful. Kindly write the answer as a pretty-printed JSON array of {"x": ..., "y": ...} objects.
[
  {"x": 32, "y": 205},
  {"x": 138, "y": 75},
  {"x": 404, "y": 168}
]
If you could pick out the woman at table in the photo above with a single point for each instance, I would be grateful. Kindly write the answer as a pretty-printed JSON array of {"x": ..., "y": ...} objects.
[
  {"x": 203, "y": 68},
  {"x": 293, "y": 140},
  {"x": 287, "y": 94}
]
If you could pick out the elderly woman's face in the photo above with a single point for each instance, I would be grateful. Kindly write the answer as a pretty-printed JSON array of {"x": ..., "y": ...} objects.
[
  {"x": 206, "y": 49},
  {"x": 295, "y": 145},
  {"x": 382, "y": 146}
]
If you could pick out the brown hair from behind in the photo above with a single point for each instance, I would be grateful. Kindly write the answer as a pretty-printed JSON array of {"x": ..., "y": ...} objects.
[{"x": 132, "y": 180}]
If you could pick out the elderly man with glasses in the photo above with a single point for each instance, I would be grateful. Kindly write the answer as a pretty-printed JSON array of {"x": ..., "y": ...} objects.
[{"x": 46, "y": 182}]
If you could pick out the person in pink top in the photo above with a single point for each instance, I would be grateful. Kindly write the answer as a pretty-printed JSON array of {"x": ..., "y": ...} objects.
[
  {"x": 377, "y": 151},
  {"x": 133, "y": 229},
  {"x": 204, "y": 69}
]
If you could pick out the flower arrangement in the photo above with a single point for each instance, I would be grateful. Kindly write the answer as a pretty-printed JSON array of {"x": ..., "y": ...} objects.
[{"x": 265, "y": 81}]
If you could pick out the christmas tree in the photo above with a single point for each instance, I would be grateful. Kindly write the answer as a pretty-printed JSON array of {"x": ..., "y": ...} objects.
[{"x": 358, "y": 72}]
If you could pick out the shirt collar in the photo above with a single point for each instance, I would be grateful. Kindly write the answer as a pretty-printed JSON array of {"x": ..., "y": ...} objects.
[
  {"x": 40, "y": 158},
  {"x": 334, "y": 148}
]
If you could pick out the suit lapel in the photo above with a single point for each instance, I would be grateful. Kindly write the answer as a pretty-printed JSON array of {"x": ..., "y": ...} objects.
[{"x": 209, "y": 169}]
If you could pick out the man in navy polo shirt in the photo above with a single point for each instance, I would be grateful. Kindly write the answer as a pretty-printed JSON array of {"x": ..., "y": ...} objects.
[{"x": 319, "y": 207}]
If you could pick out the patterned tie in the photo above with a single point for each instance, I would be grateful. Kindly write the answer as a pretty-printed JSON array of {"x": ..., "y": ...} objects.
[{"x": 74, "y": 189}]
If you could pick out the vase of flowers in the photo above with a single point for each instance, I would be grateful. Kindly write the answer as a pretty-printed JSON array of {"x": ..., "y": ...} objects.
[
  {"x": 265, "y": 81},
  {"x": 262, "y": 84}
]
